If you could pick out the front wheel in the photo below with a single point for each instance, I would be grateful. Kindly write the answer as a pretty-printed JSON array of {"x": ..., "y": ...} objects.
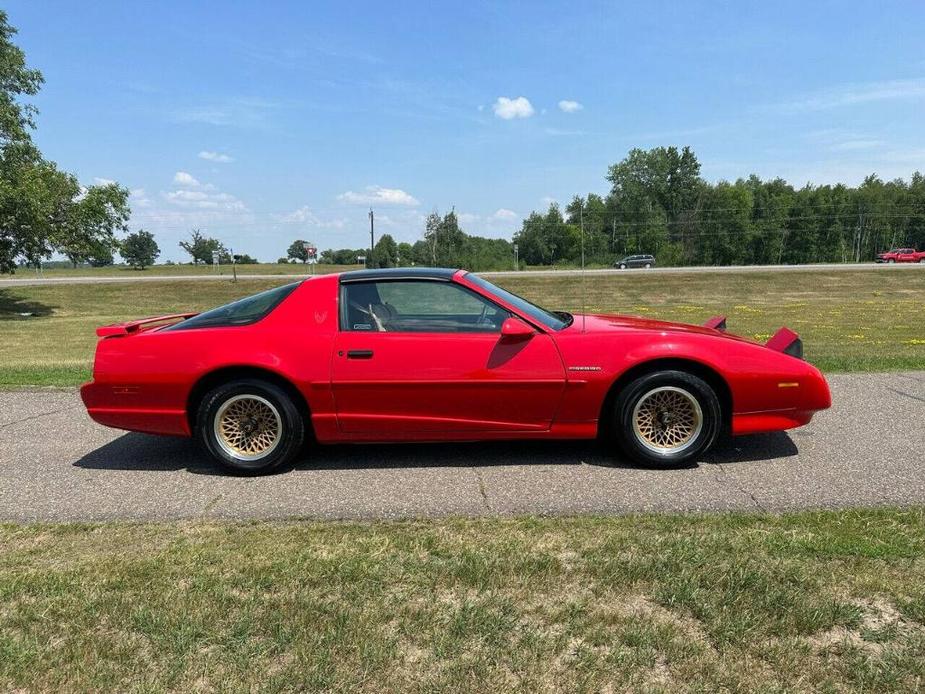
[
  {"x": 891, "y": 261},
  {"x": 250, "y": 426},
  {"x": 622, "y": 266},
  {"x": 648, "y": 265},
  {"x": 666, "y": 419},
  {"x": 922, "y": 261}
]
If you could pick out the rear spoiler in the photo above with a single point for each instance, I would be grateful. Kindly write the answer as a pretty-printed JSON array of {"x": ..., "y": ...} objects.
[
  {"x": 784, "y": 340},
  {"x": 135, "y": 325}
]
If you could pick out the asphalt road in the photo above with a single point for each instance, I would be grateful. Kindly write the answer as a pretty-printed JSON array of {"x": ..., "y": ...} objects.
[
  {"x": 56, "y": 465},
  {"x": 22, "y": 280}
]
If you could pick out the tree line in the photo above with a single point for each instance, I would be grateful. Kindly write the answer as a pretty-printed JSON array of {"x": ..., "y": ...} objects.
[{"x": 659, "y": 204}]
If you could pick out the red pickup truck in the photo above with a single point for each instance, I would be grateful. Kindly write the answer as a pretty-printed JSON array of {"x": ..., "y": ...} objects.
[{"x": 901, "y": 255}]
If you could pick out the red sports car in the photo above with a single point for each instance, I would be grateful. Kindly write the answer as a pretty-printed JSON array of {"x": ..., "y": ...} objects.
[{"x": 439, "y": 355}]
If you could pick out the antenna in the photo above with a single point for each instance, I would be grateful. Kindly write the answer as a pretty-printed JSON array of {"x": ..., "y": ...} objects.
[{"x": 584, "y": 286}]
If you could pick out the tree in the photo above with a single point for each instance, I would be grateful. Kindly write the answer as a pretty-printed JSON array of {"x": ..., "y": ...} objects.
[
  {"x": 202, "y": 247},
  {"x": 245, "y": 259},
  {"x": 43, "y": 209},
  {"x": 101, "y": 256},
  {"x": 386, "y": 252},
  {"x": 297, "y": 251},
  {"x": 444, "y": 239},
  {"x": 89, "y": 230},
  {"x": 139, "y": 249}
]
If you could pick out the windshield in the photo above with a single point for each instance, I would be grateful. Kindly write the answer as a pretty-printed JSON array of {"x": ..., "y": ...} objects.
[
  {"x": 241, "y": 312},
  {"x": 555, "y": 321}
]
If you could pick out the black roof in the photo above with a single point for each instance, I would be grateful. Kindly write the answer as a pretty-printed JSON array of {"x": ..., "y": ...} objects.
[{"x": 400, "y": 273}]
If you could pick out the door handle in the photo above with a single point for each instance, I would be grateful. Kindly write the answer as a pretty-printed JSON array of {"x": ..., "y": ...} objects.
[{"x": 360, "y": 354}]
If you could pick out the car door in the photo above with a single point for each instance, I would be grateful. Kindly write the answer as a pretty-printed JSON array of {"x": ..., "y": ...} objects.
[{"x": 425, "y": 358}]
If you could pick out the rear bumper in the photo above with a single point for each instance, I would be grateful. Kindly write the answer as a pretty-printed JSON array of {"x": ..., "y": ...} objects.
[{"x": 104, "y": 405}]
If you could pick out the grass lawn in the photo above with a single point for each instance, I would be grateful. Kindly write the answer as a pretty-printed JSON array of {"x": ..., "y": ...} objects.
[
  {"x": 829, "y": 601},
  {"x": 864, "y": 320}
]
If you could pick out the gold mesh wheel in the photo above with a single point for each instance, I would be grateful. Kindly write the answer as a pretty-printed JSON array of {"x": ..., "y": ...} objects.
[
  {"x": 248, "y": 427},
  {"x": 667, "y": 420}
]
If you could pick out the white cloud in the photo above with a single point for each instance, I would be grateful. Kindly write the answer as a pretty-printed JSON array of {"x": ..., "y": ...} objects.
[
  {"x": 851, "y": 94},
  {"x": 97, "y": 181},
  {"x": 504, "y": 215},
  {"x": 216, "y": 157},
  {"x": 305, "y": 217},
  {"x": 138, "y": 198},
  {"x": 547, "y": 201},
  {"x": 570, "y": 106},
  {"x": 202, "y": 200},
  {"x": 181, "y": 178},
  {"x": 508, "y": 109},
  {"x": 191, "y": 194},
  {"x": 377, "y": 195}
]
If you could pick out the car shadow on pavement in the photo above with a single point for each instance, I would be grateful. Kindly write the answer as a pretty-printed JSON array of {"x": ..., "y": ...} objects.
[{"x": 159, "y": 453}]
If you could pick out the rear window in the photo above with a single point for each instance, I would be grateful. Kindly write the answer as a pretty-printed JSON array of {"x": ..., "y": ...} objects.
[{"x": 241, "y": 312}]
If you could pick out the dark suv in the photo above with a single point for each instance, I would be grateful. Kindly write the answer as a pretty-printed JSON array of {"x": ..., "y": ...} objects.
[{"x": 645, "y": 261}]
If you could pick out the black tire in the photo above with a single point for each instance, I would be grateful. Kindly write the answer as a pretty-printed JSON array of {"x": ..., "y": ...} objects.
[
  {"x": 648, "y": 265},
  {"x": 890, "y": 262},
  {"x": 685, "y": 389},
  {"x": 273, "y": 406},
  {"x": 622, "y": 266}
]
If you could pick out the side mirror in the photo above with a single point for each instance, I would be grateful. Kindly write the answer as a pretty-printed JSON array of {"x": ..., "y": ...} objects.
[{"x": 514, "y": 328}]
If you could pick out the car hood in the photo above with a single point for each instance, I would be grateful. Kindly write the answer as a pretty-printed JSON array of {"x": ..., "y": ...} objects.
[{"x": 601, "y": 323}]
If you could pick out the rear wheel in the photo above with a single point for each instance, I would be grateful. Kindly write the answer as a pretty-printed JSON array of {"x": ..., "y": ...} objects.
[
  {"x": 622, "y": 266},
  {"x": 922, "y": 261},
  {"x": 890, "y": 261},
  {"x": 250, "y": 426},
  {"x": 648, "y": 265},
  {"x": 666, "y": 419}
]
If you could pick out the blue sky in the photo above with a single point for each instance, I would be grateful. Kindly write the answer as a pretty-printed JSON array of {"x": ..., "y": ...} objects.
[{"x": 264, "y": 122}]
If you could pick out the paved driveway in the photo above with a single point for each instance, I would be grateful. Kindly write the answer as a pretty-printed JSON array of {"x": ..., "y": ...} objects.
[{"x": 56, "y": 464}]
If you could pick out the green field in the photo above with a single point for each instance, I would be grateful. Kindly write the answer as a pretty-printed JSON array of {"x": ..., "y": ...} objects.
[
  {"x": 864, "y": 320},
  {"x": 830, "y": 601}
]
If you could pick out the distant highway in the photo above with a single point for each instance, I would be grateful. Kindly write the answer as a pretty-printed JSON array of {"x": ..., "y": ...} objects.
[{"x": 138, "y": 277}]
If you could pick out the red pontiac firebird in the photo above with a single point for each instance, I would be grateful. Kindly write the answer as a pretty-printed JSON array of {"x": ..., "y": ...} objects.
[{"x": 439, "y": 355}]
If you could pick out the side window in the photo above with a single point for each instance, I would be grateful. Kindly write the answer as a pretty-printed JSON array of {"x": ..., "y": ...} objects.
[{"x": 418, "y": 307}]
